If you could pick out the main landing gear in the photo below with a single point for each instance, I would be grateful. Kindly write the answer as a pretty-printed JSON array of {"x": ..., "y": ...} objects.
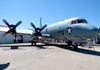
[{"x": 33, "y": 43}]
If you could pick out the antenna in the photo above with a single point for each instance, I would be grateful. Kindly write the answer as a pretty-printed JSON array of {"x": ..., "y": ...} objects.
[{"x": 40, "y": 22}]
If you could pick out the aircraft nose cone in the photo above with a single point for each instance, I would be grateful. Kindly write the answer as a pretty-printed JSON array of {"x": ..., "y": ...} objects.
[
  {"x": 93, "y": 30},
  {"x": 87, "y": 30}
]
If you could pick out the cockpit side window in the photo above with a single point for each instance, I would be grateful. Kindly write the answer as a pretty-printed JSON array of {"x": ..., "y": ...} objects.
[{"x": 74, "y": 22}]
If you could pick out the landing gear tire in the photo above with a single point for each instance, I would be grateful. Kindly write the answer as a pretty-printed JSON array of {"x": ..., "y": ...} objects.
[
  {"x": 33, "y": 43},
  {"x": 75, "y": 47},
  {"x": 69, "y": 43}
]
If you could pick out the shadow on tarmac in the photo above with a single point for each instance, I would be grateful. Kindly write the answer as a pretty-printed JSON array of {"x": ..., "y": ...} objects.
[
  {"x": 80, "y": 50},
  {"x": 4, "y": 66},
  {"x": 40, "y": 47}
]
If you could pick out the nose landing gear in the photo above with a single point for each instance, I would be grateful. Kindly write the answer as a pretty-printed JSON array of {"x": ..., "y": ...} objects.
[{"x": 74, "y": 45}]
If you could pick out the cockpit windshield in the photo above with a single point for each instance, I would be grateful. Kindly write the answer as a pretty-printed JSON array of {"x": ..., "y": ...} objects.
[
  {"x": 81, "y": 21},
  {"x": 78, "y": 21}
]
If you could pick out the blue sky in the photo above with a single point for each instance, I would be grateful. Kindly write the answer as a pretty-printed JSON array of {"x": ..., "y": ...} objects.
[{"x": 51, "y": 11}]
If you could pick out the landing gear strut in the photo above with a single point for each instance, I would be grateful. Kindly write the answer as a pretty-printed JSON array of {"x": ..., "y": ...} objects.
[{"x": 15, "y": 41}]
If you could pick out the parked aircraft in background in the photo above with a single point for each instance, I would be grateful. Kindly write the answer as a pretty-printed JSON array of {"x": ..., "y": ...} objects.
[{"x": 73, "y": 31}]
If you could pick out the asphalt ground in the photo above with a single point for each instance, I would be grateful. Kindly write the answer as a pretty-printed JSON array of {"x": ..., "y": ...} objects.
[{"x": 49, "y": 58}]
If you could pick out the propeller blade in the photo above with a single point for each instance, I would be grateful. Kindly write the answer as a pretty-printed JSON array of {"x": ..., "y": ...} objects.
[
  {"x": 5, "y": 21},
  {"x": 43, "y": 27},
  {"x": 33, "y": 25},
  {"x": 18, "y": 23}
]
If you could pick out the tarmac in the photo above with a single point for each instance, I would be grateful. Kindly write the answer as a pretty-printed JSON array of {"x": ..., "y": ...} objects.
[{"x": 49, "y": 58}]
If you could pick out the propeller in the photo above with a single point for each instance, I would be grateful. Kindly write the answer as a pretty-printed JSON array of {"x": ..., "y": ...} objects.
[
  {"x": 37, "y": 34},
  {"x": 38, "y": 30},
  {"x": 12, "y": 28}
]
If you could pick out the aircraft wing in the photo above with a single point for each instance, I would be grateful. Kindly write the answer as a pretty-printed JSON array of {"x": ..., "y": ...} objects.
[{"x": 46, "y": 35}]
